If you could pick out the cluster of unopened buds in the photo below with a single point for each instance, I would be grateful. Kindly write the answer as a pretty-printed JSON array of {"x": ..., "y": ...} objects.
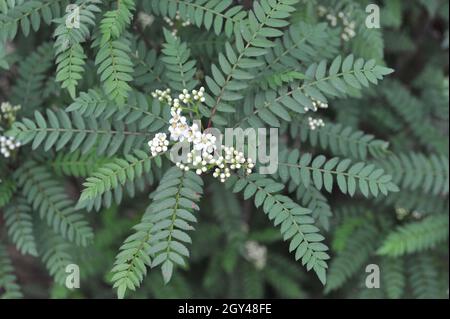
[
  {"x": 159, "y": 144},
  {"x": 316, "y": 105},
  {"x": 8, "y": 145},
  {"x": 402, "y": 213},
  {"x": 187, "y": 97},
  {"x": 341, "y": 18},
  {"x": 315, "y": 123},
  {"x": 256, "y": 254},
  {"x": 349, "y": 27},
  {"x": 223, "y": 166},
  {"x": 232, "y": 161},
  {"x": 177, "y": 18},
  {"x": 237, "y": 160},
  {"x": 7, "y": 117},
  {"x": 8, "y": 112},
  {"x": 163, "y": 96},
  {"x": 205, "y": 153}
]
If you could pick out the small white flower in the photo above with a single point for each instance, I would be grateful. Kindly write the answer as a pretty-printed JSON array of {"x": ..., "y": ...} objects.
[
  {"x": 178, "y": 131},
  {"x": 192, "y": 133},
  {"x": 205, "y": 142}
]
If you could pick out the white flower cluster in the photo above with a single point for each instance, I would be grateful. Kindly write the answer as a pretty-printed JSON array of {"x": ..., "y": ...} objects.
[
  {"x": 315, "y": 123},
  {"x": 319, "y": 105},
  {"x": 256, "y": 254},
  {"x": 159, "y": 144},
  {"x": 163, "y": 96},
  {"x": 203, "y": 157},
  {"x": 7, "y": 145},
  {"x": 349, "y": 27},
  {"x": 201, "y": 161},
  {"x": 187, "y": 97},
  {"x": 145, "y": 19},
  {"x": 341, "y": 18},
  {"x": 8, "y": 112},
  {"x": 232, "y": 161},
  {"x": 403, "y": 213},
  {"x": 7, "y": 117},
  {"x": 177, "y": 18},
  {"x": 316, "y": 105},
  {"x": 180, "y": 130},
  {"x": 416, "y": 215},
  {"x": 204, "y": 142},
  {"x": 205, "y": 153}
]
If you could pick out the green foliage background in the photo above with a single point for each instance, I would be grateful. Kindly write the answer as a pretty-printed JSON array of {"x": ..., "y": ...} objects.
[{"x": 370, "y": 187}]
